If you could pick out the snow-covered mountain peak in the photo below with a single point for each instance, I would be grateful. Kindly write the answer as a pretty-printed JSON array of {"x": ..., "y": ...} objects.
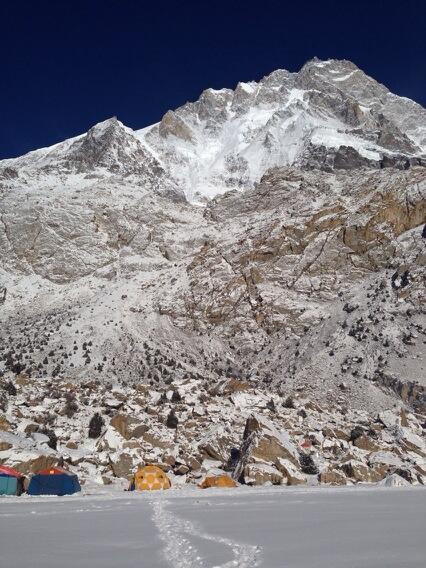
[
  {"x": 108, "y": 144},
  {"x": 108, "y": 124},
  {"x": 229, "y": 139},
  {"x": 329, "y": 115}
]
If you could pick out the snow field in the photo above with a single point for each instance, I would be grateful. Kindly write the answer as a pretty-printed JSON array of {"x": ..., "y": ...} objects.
[{"x": 238, "y": 528}]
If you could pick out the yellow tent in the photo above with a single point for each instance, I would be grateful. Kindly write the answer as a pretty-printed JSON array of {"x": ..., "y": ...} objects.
[
  {"x": 217, "y": 481},
  {"x": 150, "y": 478}
]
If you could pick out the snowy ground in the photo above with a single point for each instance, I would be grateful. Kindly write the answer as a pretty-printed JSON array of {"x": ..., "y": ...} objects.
[{"x": 270, "y": 527}]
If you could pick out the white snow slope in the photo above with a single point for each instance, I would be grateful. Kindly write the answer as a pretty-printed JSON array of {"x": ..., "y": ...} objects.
[{"x": 270, "y": 527}]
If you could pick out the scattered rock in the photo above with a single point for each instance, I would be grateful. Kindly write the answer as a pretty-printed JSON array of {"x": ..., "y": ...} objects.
[
  {"x": 394, "y": 480},
  {"x": 332, "y": 477},
  {"x": 365, "y": 443},
  {"x": 4, "y": 424},
  {"x": 261, "y": 474},
  {"x": 122, "y": 465},
  {"x": 121, "y": 423},
  {"x": 41, "y": 462},
  {"x": 359, "y": 471},
  {"x": 290, "y": 471},
  {"x": 172, "y": 420},
  {"x": 389, "y": 418}
]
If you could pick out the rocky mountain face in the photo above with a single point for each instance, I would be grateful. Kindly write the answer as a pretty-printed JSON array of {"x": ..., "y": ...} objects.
[{"x": 241, "y": 286}]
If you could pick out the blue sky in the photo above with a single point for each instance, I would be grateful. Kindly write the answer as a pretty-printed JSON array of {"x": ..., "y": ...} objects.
[{"x": 66, "y": 65}]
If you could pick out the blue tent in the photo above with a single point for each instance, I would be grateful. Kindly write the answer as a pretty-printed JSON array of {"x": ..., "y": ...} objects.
[
  {"x": 11, "y": 481},
  {"x": 8, "y": 485},
  {"x": 55, "y": 481}
]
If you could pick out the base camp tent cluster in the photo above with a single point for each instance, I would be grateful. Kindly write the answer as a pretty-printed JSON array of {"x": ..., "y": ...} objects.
[
  {"x": 53, "y": 481},
  {"x": 59, "y": 481}
]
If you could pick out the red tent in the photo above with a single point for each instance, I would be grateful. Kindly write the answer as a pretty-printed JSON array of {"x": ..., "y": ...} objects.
[{"x": 5, "y": 470}]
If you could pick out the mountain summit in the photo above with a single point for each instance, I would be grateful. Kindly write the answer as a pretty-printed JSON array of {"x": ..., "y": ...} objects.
[{"x": 329, "y": 115}]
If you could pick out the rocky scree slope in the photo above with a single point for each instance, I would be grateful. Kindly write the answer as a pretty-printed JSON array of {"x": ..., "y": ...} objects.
[{"x": 286, "y": 314}]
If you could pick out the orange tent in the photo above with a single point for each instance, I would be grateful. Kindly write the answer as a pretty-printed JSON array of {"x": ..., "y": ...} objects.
[
  {"x": 217, "y": 481},
  {"x": 150, "y": 478}
]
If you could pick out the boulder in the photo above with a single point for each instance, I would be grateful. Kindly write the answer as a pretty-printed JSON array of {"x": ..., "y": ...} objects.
[
  {"x": 139, "y": 431},
  {"x": 199, "y": 410},
  {"x": 40, "y": 438},
  {"x": 121, "y": 423},
  {"x": 260, "y": 473},
  {"x": 31, "y": 428},
  {"x": 122, "y": 465},
  {"x": 394, "y": 480},
  {"x": 359, "y": 471},
  {"x": 290, "y": 471},
  {"x": 331, "y": 446},
  {"x": 5, "y": 446},
  {"x": 411, "y": 442},
  {"x": 4, "y": 424},
  {"x": 192, "y": 462},
  {"x": 332, "y": 477},
  {"x": 366, "y": 443},
  {"x": 263, "y": 442},
  {"x": 420, "y": 469},
  {"x": 41, "y": 462},
  {"x": 403, "y": 418},
  {"x": 269, "y": 443},
  {"x": 168, "y": 459},
  {"x": 22, "y": 380},
  {"x": 132, "y": 445},
  {"x": 215, "y": 443},
  {"x": 389, "y": 418},
  {"x": 385, "y": 458}
]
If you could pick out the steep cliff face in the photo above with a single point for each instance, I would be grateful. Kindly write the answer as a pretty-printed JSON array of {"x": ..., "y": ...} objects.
[
  {"x": 246, "y": 283},
  {"x": 303, "y": 277}
]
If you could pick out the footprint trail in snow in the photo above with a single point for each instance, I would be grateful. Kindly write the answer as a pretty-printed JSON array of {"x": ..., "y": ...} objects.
[{"x": 180, "y": 552}]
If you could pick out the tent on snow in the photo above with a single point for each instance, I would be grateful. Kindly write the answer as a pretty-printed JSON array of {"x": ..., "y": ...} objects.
[
  {"x": 217, "y": 481},
  {"x": 150, "y": 478},
  {"x": 54, "y": 481},
  {"x": 11, "y": 481}
]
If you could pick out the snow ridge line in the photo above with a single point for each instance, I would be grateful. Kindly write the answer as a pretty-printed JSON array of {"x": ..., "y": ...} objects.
[{"x": 179, "y": 551}]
